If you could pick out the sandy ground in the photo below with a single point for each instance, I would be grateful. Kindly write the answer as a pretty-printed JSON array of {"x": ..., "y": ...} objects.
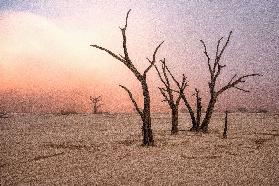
[{"x": 86, "y": 149}]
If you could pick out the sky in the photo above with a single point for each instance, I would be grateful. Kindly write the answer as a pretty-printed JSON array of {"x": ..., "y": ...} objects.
[{"x": 47, "y": 64}]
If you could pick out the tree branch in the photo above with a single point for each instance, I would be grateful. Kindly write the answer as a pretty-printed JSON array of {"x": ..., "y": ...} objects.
[
  {"x": 208, "y": 59},
  {"x": 232, "y": 83},
  {"x": 159, "y": 74},
  {"x": 226, "y": 44},
  {"x": 241, "y": 89},
  {"x": 109, "y": 52},
  {"x": 162, "y": 90},
  {"x": 124, "y": 43},
  {"x": 232, "y": 79},
  {"x": 183, "y": 84},
  {"x": 95, "y": 99},
  {"x": 165, "y": 74},
  {"x": 124, "y": 59},
  {"x": 217, "y": 49},
  {"x": 153, "y": 59},
  {"x": 133, "y": 100}
]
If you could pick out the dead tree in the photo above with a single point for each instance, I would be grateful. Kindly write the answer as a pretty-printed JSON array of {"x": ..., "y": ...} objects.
[
  {"x": 142, "y": 78},
  {"x": 181, "y": 88},
  {"x": 96, "y": 104},
  {"x": 215, "y": 70},
  {"x": 226, "y": 125},
  {"x": 168, "y": 93}
]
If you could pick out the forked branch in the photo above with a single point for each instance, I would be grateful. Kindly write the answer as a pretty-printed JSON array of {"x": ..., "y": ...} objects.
[
  {"x": 153, "y": 59},
  {"x": 208, "y": 59},
  {"x": 232, "y": 84},
  {"x": 124, "y": 43},
  {"x": 124, "y": 59}
]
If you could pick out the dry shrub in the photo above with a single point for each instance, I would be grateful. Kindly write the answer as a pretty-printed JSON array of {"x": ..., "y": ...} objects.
[{"x": 68, "y": 112}]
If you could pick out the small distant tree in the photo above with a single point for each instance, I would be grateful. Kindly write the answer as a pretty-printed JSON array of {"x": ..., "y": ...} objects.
[
  {"x": 142, "y": 78},
  {"x": 168, "y": 93},
  {"x": 96, "y": 104}
]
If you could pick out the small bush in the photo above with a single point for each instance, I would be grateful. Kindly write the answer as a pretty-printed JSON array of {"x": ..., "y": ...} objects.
[
  {"x": 262, "y": 111},
  {"x": 3, "y": 115},
  {"x": 68, "y": 112}
]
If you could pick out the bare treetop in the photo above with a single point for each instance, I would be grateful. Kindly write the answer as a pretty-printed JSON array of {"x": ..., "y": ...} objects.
[
  {"x": 126, "y": 59},
  {"x": 96, "y": 103},
  {"x": 215, "y": 70}
]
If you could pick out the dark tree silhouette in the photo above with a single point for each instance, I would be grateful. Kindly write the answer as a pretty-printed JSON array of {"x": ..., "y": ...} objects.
[
  {"x": 142, "y": 78},
  {"x": 181, "y": 88},
  {"x": 195, "y": 119},
  {"x": 168, "y": 93},
  {"x": 96, "y": 104},
  {"x": 215, "y": 70},
  {"x": 199, "y": 109}
]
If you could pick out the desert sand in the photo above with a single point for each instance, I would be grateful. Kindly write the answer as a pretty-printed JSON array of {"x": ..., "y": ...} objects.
[{"x": 88, "y": 149}]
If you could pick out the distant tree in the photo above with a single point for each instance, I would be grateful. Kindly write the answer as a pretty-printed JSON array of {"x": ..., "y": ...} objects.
[
  {"x": 168, "y": 93},
  {"x": 142, "y": 78},
  {"x": 96, "y": 104}
]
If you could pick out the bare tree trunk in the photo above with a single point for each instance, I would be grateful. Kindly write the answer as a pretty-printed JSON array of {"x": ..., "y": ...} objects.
[
  {"x": 191, "y": 112},
  {"x": 226, "y": 125},
  {"x": 95, "y": 110},
  {"x": 208, "y": 114},
  {"x": 146, "y": 128},
  {"x": 199, "y": 107},
  {"x": 174, "y": 120}
]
